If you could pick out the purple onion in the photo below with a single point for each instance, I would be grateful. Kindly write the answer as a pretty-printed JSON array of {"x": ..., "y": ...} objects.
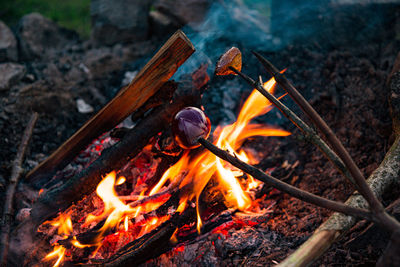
[{"x": 189, "y": 125}]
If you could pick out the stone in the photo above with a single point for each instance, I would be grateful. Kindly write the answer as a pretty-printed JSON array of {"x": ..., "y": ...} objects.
[
  {"x": 119, "y": 21},
  {"x": 184, "y": 11},
  {"x": 83, "y": 107},
  {"x": 39, "y": 35},
  {"x": 8, "y": 44},
  {"x": 101, "y": 61},
  {"x": 162, "y": 24},
  {"x": 10, "y": 74}
]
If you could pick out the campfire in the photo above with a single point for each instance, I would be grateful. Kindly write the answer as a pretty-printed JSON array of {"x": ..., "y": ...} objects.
[
  {"x": 127, "y": 205},
  {"x": 151, "y": 176}
]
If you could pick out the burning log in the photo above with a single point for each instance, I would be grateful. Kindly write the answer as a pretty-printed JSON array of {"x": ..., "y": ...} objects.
[
  {"x": 59, "y": 198},
  {"x": 150, "y": 79},
  {"x": 56, "y": 199},
  {"x": 152, "y": 244}
]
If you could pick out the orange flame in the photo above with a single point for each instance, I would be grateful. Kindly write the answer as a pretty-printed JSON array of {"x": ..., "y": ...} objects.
[
  {"x": 231, "y": 137},
  {"x": 188, "y": 171}
]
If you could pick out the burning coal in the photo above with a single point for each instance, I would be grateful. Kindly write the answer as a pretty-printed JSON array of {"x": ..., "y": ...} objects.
[{"x": 120, "y": 218}]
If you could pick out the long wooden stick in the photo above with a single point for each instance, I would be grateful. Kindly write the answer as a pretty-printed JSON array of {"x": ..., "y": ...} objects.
[
  {"x": 381, "y": 180},
  {"x": 309, "y": 133},
  {"x": 156, "y": 72},
  {"x": 384, "y": 219},
  {"x": 8, "y": 212},
  {"x": 284, "y": 187}
]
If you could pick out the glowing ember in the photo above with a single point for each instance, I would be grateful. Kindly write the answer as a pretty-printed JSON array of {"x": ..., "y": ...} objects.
[{"x": 122, "y": 219}]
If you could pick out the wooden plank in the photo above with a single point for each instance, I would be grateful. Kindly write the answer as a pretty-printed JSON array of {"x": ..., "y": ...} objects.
[{"x": 149, "y": 80}]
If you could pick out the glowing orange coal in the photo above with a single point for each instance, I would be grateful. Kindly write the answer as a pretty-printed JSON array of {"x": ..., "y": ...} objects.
[{"x": 193, "y": 172}]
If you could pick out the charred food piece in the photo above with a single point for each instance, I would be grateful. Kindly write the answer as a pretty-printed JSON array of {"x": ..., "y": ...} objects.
[
  {"x": 231, "y": 58},
  {"x": 189, "y": 125}
]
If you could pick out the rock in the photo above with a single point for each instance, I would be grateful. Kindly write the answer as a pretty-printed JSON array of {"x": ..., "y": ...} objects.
[
  {"x": 10, "y": 74},
  {"x": 162, "y": 24},
  {"x": 83, "y": 107},
  {"x": 101, "y": 61},
  {"x": 183, "y": 12},
  {"x": 23, "y": 214},
  {"x": 8, "y": 44},
  {"x": 39, "y": 35},
  {"x": 119, "y": 21}
]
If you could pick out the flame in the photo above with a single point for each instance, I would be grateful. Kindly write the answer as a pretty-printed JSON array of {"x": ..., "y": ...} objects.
[
  {"x": 231, "y": 137},
  {"x": 64, "y": 228},
  {"x": 190, "y": 171},
  {"x": 58, "y": 252}
]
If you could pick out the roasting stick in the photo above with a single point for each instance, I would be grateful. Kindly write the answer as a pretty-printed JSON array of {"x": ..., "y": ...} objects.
[
  {"x": 8, "y": 212},
  {"x": 284, "y": 187},
  {"x": 381, "y": 180},
  {"x": 309, "y": 133},
  {"x": 384, "y": 219}
]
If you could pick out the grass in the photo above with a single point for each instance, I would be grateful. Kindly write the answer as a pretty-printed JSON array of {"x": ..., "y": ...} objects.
[{"x": 71, "y": 14}]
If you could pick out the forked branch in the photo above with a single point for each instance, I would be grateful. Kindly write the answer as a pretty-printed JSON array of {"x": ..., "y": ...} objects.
[{"x": 375, "y": 205}]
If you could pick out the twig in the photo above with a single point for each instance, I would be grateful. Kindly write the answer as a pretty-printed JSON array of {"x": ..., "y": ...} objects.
[
  {"x": 8, "y": 212},
  {"x": 383, "y": 218},
  {"x": 284, "y": 187},
  {"x": 309, "y": 133}
]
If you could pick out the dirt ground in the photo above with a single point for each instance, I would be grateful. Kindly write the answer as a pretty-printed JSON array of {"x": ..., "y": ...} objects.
[{"x": 344, "y": 81}]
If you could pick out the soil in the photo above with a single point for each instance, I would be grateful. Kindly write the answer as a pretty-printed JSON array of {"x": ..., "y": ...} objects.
[{"x": 345, "y": 82}]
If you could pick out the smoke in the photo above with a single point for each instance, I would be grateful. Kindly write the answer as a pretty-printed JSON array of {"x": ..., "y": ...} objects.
[{"x": 270, "y": 26}]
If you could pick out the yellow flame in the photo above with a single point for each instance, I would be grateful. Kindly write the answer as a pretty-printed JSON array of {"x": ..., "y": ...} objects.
[
  {"x": 59, "y": 253},
  {"x": 120, "y": 180},
  {"x": 193, "y": 171},
  {"x": 206, "y": 165},
  {"x": 64, "y": 228}
]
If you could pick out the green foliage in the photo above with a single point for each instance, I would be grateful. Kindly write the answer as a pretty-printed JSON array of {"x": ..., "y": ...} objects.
[{"x": 71, "y": 14}]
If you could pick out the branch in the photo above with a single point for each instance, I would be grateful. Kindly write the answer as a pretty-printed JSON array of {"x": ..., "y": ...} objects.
[
  {"x": 309, "y": 133},
  {"x": 8, "y": 212},
  {"x": 384, "y": 219},
  {"x": 284, "y": 187},
  {"x": 147, "y": 82},
  {"x": 381, "y": 180}
]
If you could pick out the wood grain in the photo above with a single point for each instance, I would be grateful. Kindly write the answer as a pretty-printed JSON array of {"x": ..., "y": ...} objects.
[{"x": 149, "y": 80}]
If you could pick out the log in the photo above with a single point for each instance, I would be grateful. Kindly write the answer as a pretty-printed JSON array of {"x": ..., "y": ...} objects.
[
  {"x": 149, "y": 80},
  {"x": 59, "y": 198}
]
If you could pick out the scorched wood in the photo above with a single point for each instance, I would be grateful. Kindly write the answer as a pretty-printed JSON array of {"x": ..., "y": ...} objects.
[
  {"x": 59, "y": 198},
  {"x": 149, "y": 80}
]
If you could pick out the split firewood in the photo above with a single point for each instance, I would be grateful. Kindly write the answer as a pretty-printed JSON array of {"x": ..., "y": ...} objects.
[
  {"x": 149, "y": 80},
  {"x": 59, "y": 198},
  {"x": 231, "y": 58}
]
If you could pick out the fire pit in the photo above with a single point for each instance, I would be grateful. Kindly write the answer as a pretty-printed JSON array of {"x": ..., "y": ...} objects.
[
  {"x": 123, "y": 192},
  {"x": 163, "y": 195}
]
